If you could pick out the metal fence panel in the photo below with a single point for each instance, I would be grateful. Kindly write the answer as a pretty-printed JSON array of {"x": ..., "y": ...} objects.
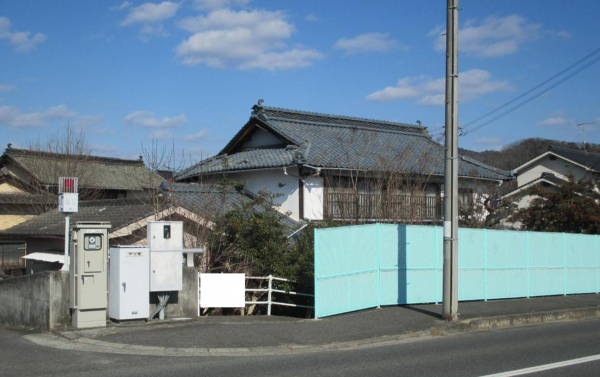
[
  {"x": 346, "y": 269},
  {"x": 506, "y": 264},
  {"x": 360, "y": 267}
]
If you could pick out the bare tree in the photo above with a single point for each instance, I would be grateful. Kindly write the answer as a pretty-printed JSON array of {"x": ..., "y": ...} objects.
[
  {"x": 381, "y": 183},
  {"x": 45, "y": 160}
]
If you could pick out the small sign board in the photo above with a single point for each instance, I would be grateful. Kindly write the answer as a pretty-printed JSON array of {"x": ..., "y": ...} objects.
[{"x": 222, "y": 290}]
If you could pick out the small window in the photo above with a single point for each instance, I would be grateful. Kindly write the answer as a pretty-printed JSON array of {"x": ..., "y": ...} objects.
[
  {"x": 552, "y": 158},
  {"x": 167, "y": 232}
]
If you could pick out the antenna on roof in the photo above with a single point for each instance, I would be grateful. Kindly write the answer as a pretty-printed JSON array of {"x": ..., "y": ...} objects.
[{"x": 583, "y": 125}]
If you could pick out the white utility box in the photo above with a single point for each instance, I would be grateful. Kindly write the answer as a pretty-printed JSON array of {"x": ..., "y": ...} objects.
[
  {"x": 129, "y": 283},
  {"x": 68, "y": 202},
  {"x": 165, "y": 240}
]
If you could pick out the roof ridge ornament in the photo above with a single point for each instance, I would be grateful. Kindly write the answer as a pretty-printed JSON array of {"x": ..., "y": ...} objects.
[{"x": 258, "y": 108}]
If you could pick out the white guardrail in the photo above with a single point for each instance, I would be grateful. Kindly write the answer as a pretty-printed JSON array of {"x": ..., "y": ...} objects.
[{"x": 270, "y": 290}]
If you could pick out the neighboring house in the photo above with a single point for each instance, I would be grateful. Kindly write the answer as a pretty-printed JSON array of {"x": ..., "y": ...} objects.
[
  {"x": 552, "y": 168},
  {"x": 195, "y": 205},
  {"x": 321, "y": 165},
  {"x": 29, "y": 180}
]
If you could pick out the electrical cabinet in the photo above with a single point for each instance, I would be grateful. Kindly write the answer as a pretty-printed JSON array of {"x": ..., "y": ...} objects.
[
  {"x": 88, "y": 273},
  {"x": 129, "y": 283},
  {"x": 165, "y": 239}
]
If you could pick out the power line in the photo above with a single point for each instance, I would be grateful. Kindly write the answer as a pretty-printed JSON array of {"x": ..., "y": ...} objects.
[
  {"x": 468, "y": 131},
  {"x": 534, "y": 88}
]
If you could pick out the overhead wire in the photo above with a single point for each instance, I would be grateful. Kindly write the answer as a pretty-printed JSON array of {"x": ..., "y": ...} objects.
[
  {"x": 528, "y": 100},
  {"x": 562, "y": 72}
]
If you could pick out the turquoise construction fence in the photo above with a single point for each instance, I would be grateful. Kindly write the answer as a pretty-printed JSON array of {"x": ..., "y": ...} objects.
[{"x": 360, "y": 267}]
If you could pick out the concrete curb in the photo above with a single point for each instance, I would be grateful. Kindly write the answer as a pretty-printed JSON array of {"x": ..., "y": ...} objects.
[{"x": 76, "y": 342}]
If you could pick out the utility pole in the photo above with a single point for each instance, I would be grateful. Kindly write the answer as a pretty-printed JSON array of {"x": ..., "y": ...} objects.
[{"x": 450, "y": 289}]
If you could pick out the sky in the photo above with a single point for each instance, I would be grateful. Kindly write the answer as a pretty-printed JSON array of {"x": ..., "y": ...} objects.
[{"x": 186, "y": 73}]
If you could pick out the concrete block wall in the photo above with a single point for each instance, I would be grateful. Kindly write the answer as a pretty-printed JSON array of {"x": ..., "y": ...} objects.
[
  {"x": 36, "y": 301},
  {"x": 41, "y": 300},
  {"x": 182, "y": 304}
]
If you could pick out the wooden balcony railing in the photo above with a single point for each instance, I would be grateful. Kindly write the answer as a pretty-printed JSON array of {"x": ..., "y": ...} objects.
[{"x": 374, "y": 206}]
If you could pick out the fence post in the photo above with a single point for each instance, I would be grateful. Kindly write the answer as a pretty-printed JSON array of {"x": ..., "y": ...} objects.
[
  {"x": 564, "y": 265},
  {"x": 528, "y": 274},
  {"x": 269, "y": 294},
  {"x": 378, "y": 232},
  {"x": 485, "y": 272},
  {"x": 198, "y": 292},
  {"x": 596, "y": 252},
  {"x": 435, "y": 257}
]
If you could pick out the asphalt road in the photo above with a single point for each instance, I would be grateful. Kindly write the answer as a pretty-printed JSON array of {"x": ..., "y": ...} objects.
[{"x": 467, "y": 354}]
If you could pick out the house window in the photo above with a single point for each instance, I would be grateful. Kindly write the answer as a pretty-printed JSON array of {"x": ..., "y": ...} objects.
[
  {"x": 552, "y": 158},
  {"x": 465, "y": 196}
]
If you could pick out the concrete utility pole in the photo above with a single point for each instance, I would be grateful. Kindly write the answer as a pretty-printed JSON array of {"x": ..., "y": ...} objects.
[{"x": 450, "y": 291}]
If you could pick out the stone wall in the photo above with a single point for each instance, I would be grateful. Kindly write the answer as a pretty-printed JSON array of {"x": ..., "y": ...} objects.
[{"x": 38, "y": 301}]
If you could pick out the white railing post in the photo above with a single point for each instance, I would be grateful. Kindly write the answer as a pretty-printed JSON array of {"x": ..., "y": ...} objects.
[{"x": 270, "y": 294}]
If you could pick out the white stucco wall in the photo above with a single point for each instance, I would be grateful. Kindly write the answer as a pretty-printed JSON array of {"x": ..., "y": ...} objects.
[
  {"x": 313, "y": 198},
  {"x": 276, "y": 182},
  {"x": 260, "y": 138},
  {"x": 559, "y": 167}
]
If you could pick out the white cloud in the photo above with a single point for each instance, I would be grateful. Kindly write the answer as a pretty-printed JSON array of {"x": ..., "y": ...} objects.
[
  {"x": 197, "y": 136},
  {"x": 123, "y": 6},
  {"x": 147, "y": 119},
  {"x": 22, "y": 41},
  {"x": 242, "y": 39},
  {"x": 492, "y": 37},
  {"x": 218, "y": 4},
  {"x": 151, "y": 12},
  {"x": 472, "y": 84},
  {"x": 161, "y": 135},
  {"x": 553, "y": 121},
  {"x": 7, "y": 88},
  {"x": 370, "y": 42},
  {"x": 13, "y": 117}
]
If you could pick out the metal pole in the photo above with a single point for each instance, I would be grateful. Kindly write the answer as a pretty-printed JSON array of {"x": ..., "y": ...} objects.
[
  {"x": 67, "y": 261},
  {"x": 270, "y": 294},
  {"x": 450, "y": 290}
]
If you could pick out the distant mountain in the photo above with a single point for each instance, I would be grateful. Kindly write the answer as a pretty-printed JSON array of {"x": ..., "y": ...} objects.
[{"x": 515, "y": 154}]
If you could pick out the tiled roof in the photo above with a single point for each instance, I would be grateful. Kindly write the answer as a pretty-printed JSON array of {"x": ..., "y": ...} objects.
[
  {"x": 211, "y": 201},
  {"x": 52, "y": 223},
  {"x": 205, "y": 201},
  {"x": 93, "y": 171},
  {"x": 589, "y": 160},
  {"x": 329, "y": 141},
  {"x": 253, "y": 159}
]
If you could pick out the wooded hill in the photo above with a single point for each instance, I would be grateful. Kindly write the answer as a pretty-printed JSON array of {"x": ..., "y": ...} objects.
[{"x": 515, "y": 154}]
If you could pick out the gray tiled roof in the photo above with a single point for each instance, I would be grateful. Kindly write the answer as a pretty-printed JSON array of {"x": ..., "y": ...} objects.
[
  {"x": 211, "y": 201},
  {"x": 93, "y": 171},
  {"x": 119, "y": 212},
  {"x": 589, "y": 160},
  {"x": 253, "y": 159},
  {"x": 329, "y": 141}
]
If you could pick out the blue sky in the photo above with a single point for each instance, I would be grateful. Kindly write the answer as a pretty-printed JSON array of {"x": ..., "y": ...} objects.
[{"x": 189, "y": 71}]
